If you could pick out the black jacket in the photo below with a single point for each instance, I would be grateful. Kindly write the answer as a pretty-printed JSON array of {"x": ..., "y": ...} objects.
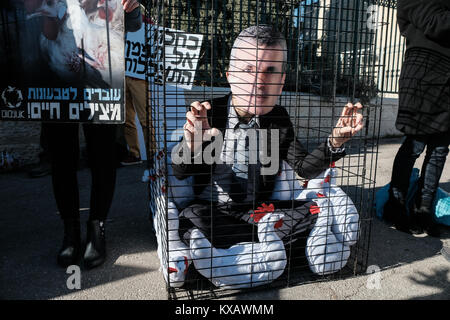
[
  {"x": 425, "y": 24},
  {"x": 306, "y": 165},
  {"x": 424, "y": 86}
]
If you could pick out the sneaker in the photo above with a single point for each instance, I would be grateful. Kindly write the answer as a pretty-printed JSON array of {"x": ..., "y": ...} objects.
[{"x": 130, "y": 160}]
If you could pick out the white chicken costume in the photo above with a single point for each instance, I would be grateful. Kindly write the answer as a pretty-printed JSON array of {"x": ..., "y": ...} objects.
[
  {"x": 336, "y": 229},
  {"x": 251, "y": 264},
  {"x": 175, "y": 267}
]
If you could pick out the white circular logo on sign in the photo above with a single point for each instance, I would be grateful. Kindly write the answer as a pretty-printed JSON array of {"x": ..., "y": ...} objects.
[{"x": 12, "y": 97}]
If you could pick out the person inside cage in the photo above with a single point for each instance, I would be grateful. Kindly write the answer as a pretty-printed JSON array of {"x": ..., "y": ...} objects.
[{"x": 232, "y": 181}]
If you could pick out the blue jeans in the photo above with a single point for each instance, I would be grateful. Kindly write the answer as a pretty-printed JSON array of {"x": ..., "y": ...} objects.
[{"x": 411, "y": 148}]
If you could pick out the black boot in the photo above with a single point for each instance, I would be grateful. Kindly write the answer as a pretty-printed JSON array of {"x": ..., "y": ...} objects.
[
  {"x": 415, "y": 223},
  {"x": 394, "y": 212},
  {"x": 70, "y": 251},
  {"x": 95, "y": 253}
]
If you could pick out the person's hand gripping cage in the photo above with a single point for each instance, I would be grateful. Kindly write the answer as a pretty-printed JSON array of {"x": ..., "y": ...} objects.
[{"x": 197, "y": 128}]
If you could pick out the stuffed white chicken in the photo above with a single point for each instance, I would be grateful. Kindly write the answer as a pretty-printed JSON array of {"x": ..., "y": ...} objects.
[
  {"x": 336, "y": 228},
  {"x": 245, "y": 264},
  {"x": 324, "y": 251},
  {"x": 175, "y": 265},
  {"x": 345, "y": 224}
]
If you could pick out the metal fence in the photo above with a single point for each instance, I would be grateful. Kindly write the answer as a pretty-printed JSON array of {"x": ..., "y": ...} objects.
[
  {"x": 322, "y": 37},
  {"x": 336, "y": 53},
  {"x": 390, "y": 46}
]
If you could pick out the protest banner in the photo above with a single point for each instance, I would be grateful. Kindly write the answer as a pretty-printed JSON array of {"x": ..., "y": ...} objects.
[{"x": 62, "y": 61}]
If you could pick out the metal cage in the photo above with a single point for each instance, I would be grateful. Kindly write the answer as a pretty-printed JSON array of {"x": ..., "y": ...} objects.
[{"x": 337, "y": 53}]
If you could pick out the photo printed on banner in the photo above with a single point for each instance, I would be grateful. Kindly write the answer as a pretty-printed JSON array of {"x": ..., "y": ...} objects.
[{"x": 62, "y": 60}]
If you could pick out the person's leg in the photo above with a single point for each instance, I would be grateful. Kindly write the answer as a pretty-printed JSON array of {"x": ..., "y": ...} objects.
[
  {"x": 411, "y": 148},
  {"x": 44, "y": 142},
  {"x": 138, "y": 91},
  {"x": 130, "y": 131},
  {"x": 220, "y": 228},
  {"x": 395, "y": 208},
  {"x": 100, "y": 141},
  {"x": 63, "y": 146},
  {"x": 433, "y": 165},
  {"x": 64, "y": 150},
  {"x": 43, "y": 168},
  {"x": 101, "y": 150}
]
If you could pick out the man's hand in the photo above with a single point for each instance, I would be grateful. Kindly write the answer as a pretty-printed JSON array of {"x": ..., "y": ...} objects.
[
  {"x": 129, "y": 5},
  {"x": 197, "y": 126},
  {"x": 348, "y": 125}
]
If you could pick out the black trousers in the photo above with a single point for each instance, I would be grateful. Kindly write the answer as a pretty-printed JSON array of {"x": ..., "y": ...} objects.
[
  {"x": 227, "y": 224},
  {"x": 63, "y": 141},
  {"x": 44, "y": 156},
  {"x": 436, "y": 154}
]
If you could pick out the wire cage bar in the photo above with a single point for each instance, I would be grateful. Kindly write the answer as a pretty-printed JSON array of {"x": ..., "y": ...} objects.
[{"x": 336, "y": 53}]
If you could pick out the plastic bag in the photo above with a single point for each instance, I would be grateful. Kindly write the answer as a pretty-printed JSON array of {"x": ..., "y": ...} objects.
[{"x": 441, "y": 202}]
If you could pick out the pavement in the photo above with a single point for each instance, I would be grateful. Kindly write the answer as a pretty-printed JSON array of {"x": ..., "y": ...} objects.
[{"x": 410, "y": 267}]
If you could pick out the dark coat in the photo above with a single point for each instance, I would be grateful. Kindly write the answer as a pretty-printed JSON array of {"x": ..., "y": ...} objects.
[
  {"x": 306, "y": 165},
  {"x": 424, "y": 86}
]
